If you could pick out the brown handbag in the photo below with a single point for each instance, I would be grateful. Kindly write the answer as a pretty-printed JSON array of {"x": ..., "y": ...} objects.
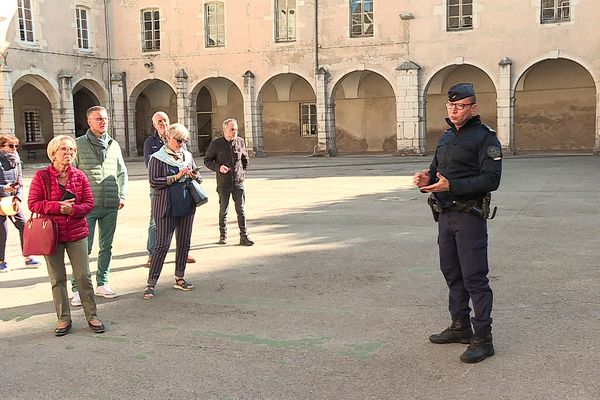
[{"x": 40, "y": 233}]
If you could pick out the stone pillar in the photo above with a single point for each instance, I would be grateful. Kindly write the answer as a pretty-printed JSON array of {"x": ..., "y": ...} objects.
[
  {"x": 120, "y": 115},
  {"x": 183, "y": 108},
  {"x": 597, "y": 141},
  {"x": 326, "y": 145},
  {"x": 505, "y": 104},
  {"x": 410, "y": 127},
  {"x": 7, "y": 113},
  {"x": 252, "y": 118},
  {"x": 64, "y": 124}
]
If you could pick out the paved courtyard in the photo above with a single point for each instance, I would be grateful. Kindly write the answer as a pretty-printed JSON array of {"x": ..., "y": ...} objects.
[{"x": 336, "y": 299}]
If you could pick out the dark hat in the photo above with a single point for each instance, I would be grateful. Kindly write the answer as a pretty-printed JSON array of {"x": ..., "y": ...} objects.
[{"x": 461, "y": 91}]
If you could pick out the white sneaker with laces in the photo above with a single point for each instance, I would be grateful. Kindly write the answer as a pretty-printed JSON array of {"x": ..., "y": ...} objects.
[
  {"x": 106, "y": 292},
  {"x": 76, "y": 300}
]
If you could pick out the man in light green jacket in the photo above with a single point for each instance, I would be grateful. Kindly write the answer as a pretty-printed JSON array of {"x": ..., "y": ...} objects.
[{"x": 99, "y": 157}]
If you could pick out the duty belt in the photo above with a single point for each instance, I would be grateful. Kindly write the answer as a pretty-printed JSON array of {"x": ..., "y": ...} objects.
[{"x": 480, "y": 208}]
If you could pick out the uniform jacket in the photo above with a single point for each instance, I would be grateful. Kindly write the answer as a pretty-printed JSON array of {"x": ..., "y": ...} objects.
[
  {"x": 471, "y": 160},
  {"x": 108, "y": 178},
  {"x": 232, "y": 154},
  {"x": 151, "y": 145},
  {"x": 10, "y": 172},
  {"x": 70, "y": 227}
]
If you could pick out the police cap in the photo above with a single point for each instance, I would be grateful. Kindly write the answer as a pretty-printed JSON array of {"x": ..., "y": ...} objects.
[{"x": 461, "y": 91}]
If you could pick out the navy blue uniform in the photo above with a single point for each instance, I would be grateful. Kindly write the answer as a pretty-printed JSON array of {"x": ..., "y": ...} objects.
[{"x": 471, "y": 160}]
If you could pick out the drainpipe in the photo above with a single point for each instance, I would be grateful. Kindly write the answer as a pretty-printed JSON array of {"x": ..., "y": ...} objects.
[
  {"x": 126, "y": 112},
  {"x": 108, "y": 59},
  {"x": 316, "y": 35}
]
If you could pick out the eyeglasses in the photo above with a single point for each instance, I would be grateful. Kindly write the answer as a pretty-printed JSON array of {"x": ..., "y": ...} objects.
[
  {"x": 458, "y": 106},
  {"x": 12, "y": 146},
  {"x": 68, "y": 149},
  {"x": 100, "y": 119},
  {"x": 181, "y": 141}
]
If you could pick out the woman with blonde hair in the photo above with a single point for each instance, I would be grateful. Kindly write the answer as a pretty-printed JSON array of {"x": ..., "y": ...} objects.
[
  {"x": 63, "y": 193},
  {"x": 172, "y": 208},
  {"x": 11, "y": 190}
]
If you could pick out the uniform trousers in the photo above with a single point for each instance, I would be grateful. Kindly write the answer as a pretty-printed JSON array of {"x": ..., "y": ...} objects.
[
  {"x": 18, "y": 221},
  {"x": 78, "y": 255},
  {"x": 463, "y": 244},
  {"x": 239, "y": 198},
  {"x": 165, "y": 227}
]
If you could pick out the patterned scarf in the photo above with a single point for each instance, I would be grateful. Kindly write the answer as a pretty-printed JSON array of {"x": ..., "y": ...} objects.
[{"x": 100, "y": 145}]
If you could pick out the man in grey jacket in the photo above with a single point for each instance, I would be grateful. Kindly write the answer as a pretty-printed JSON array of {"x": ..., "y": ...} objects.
[{"x": 99, "y": 157}]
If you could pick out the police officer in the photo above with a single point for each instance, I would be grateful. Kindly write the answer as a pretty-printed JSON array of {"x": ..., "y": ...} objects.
[{"x": 466, "y": 167}]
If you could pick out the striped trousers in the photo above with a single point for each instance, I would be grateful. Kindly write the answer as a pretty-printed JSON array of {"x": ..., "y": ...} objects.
[{"x": 165, "y": 227}]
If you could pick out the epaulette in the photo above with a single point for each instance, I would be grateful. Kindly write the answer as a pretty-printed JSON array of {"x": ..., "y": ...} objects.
[{"x": 490, "y": 129}]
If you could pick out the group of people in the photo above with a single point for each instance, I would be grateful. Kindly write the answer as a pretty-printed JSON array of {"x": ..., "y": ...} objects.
[
  {"x": 86, "y": 185},
  {"x": 465, "y": 169}
]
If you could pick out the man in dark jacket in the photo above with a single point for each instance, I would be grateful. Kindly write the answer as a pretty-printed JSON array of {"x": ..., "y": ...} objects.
[
  {"x": 227, "y": 156},
  {"x": 466, "y": 167}
]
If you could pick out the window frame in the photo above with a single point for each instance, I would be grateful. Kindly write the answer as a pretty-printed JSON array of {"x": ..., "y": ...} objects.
[
  {"x": 83, "y": 43},
  {"x": 558, "y": 9},
  {"x": 151, "y": 44},
  {"x": 308, "y": 118},
  {"x": 460, "y": 5},
  {"x": 289, "y": 34},
  {"x": 36, "y": 133},
  {"x": 362, "y": 16},
  {"x": 26, "y": 31},
  {"x": 218, "y": 24}
]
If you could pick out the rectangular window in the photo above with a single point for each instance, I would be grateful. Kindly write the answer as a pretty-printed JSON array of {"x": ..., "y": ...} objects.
[
  {"x": 555, "y": 11},
  {"x": 83, "y": 41},
  {"x": 215, "y": 24},
  {"x": 285, "y": 20},
  {"x": 460, "y": 15},
  {"x": 25, "y": 20},
  {"x": 308, "y": 119},
  {"x": 33, "y": 132},
  {"x": 361, "y": 18},
  {"x": 150, "y": 30}
]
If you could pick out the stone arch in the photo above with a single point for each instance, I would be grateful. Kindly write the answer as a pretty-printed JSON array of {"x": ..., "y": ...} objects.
[
  {"x": 555, "y": 107},
  {"x": 365, "y": 113},
  {"x": 148, "y": 97},
  {"x": 436, "y": 94},
  {"x": 288, "y": 103},
  {"x": 226, "y": 101},
  {"x": 35, "y": 105}
]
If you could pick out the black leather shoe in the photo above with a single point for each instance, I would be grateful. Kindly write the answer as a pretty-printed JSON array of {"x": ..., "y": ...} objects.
[
  {"x": 222, "y": 240},
  {"x": 97, "y": 328},
  {"x": 458, "y": 332},
  {"x": 63, "y": 331},
  {"x": 481, "y": 347},
  {"x": 245, "y": 241}
]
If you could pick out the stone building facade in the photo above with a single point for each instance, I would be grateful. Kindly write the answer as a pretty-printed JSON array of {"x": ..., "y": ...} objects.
[{"x": 303, "y": 76}]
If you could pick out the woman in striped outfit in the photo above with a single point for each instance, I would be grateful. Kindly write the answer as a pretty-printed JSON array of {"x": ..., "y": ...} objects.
[{"x": 172, "y": 208}]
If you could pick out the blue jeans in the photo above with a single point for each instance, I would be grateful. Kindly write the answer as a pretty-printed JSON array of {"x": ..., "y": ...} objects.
[
  {"x": 107, "y": 224},
  {"x": 151, "y": 243}
]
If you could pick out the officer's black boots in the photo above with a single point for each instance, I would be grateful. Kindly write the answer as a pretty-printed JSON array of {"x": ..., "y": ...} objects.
[
  {"x": 481, "y": 347},
  {"x": 458, "y": 332}
]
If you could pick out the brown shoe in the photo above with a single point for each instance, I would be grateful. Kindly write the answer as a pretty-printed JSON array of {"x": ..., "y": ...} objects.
[
  {"x": 97, "y": 326},
  {"x": 191, "y": 260}
]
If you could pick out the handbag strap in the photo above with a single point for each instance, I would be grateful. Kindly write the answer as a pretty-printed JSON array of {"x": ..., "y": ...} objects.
[{"x": 46, "y": 178}]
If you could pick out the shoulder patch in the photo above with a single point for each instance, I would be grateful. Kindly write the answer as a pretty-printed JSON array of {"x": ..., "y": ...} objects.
[
  {"x": 494, "y": 152},
  {"x": 489, "y": 128}
]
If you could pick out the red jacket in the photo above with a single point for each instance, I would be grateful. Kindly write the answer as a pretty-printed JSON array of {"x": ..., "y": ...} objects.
[{"x": 70, "y": 227}]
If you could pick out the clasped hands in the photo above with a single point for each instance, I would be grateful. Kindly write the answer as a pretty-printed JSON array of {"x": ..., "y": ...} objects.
[{"x": 421, "y": 180}]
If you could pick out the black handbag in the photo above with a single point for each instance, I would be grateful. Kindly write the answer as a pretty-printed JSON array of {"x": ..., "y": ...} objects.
[{"x": 197, "y": 192}]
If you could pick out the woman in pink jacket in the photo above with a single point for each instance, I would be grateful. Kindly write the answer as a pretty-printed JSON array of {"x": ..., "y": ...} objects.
[{"x": 63, "y": 193}]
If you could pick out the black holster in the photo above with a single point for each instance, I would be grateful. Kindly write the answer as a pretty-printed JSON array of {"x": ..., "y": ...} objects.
[{"x": 435, "y": 211}]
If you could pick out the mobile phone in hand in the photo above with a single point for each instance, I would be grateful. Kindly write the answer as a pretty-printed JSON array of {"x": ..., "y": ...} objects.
[{"x": 67, "y": 196}]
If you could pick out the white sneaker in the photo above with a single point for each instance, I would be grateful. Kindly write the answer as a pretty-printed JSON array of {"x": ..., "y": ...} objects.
[
  {"x": 76, "y": 300},
  {"x": 106, "y": 292}
]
